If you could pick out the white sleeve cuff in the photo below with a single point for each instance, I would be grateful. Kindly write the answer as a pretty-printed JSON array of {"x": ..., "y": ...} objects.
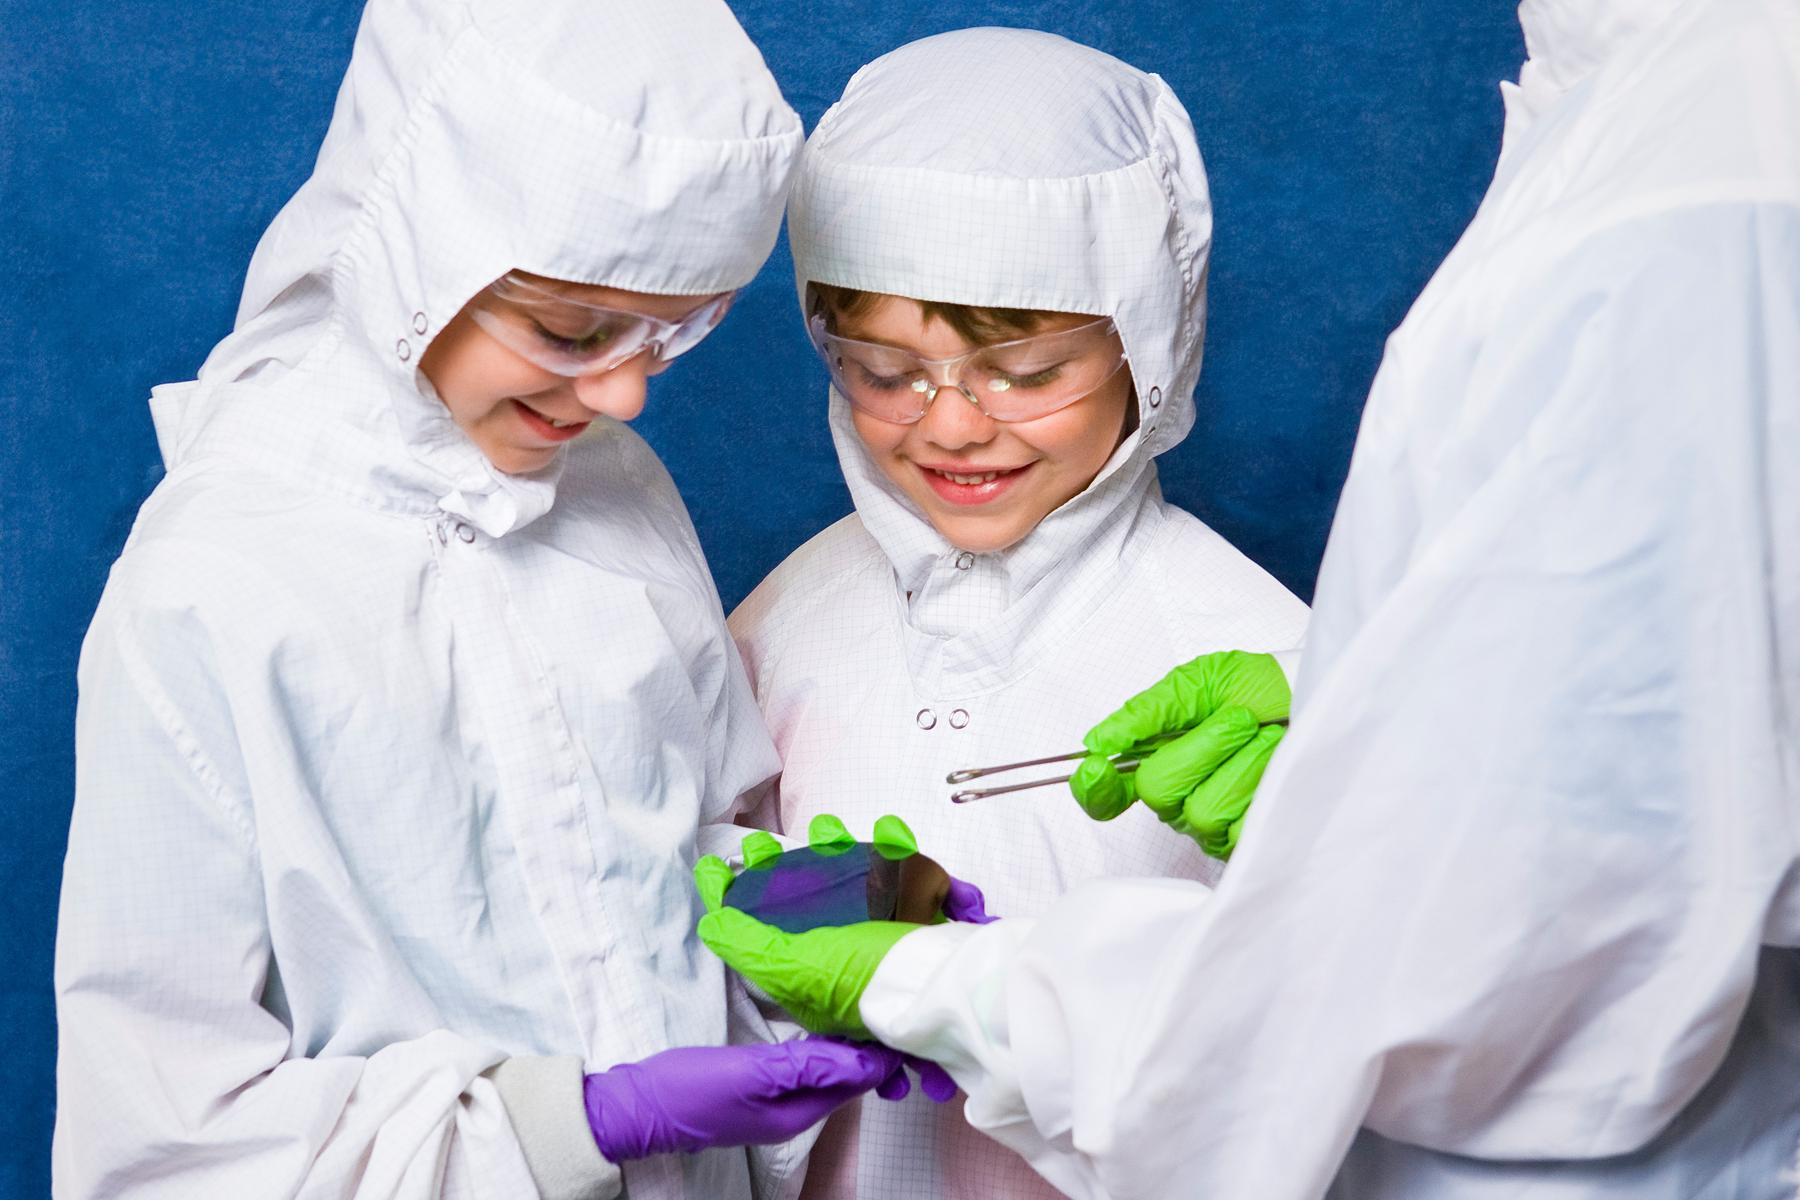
[
  {"x": 940, "y": 993},
  {"x": 543, "y": 1098}
]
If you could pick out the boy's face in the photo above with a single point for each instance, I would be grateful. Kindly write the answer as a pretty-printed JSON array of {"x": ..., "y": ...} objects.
[
  {"x": 1037, "y": 465},
  {"x": 520, "y": 414}
]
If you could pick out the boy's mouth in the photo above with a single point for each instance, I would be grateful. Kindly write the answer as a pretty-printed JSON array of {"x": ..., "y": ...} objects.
[
  {"x": 549, "y": 428},
  {"x": 971, "y": 487}
]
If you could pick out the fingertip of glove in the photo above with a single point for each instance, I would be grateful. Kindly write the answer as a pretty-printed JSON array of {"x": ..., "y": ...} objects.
[
  {"x": 708, "y": 928},
  {"x": 895, "y": 1086},
  {"x": 1106, "y": 738},
  {"x": 1099, "y": 788},
  {"x": 828, "y": 832},
  {"x": 936, "y": 1083},
  {"x": 722, "y": 930},
  {"x": 894, "y": 839},
  {"x": 760, "y": 848},
  {"x": 712, "y": 876}
]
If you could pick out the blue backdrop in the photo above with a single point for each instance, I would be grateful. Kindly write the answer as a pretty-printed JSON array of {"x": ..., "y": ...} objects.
[{"x": 144, "y": 147}]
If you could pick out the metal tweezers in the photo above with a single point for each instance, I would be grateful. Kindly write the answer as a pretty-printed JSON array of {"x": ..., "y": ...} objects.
[{"x": 1124, "y": 764}]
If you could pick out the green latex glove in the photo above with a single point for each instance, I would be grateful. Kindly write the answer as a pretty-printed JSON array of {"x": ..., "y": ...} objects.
[
  {"x": 1205, "y": 733},
  {"x": 819, "y": 976}
]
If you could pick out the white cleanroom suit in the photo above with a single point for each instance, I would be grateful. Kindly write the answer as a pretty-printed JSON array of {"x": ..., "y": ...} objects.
[
  {"x": 1521, "y": 890},
  {"x": 883, "y": 656},
  {"x": 389, "y": 765}
]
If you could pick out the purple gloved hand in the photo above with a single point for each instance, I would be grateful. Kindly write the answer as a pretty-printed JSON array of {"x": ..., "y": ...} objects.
[
  {"x": 934, "y": 1081},
  {"x": 696, "y": 1097},
  {"x": 964, "y": 902}
]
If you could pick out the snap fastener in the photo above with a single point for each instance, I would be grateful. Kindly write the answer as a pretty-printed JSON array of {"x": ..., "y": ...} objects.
[
  {"x": 926, "y": 719},
  {"x": 403, "y": 349},
  {"x": 420, "y": 324},
  {"x": 959, "y": 718},
  {"x": 1155, "y": 393},
  {"x": 464, "y": 534},
  {"x": 964, "y": 561}
]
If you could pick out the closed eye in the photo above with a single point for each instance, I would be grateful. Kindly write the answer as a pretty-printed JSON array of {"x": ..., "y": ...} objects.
[
  {"x": 1039, "y": 378},
  {"x": 882, "y": 383},
  {"x": 584, "y": 344}
]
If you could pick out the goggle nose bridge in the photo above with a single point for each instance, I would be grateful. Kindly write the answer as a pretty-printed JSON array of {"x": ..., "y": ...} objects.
[{"x": 928, "y": 390}]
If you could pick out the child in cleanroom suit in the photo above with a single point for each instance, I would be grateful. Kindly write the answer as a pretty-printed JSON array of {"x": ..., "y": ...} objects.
[
  {"x": 1011, "y": 567},
  {"x": 402, "y": 707}
]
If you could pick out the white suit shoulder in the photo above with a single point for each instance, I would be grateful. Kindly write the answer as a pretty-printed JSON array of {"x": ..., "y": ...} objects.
[
  {"x": 240, "y": 550},
  {"x": 1216, "y": 587},
  {"x": 1584, "y": 170},
  {"x": 838, "y": 575},
  {"x": 617, "y": 498}
]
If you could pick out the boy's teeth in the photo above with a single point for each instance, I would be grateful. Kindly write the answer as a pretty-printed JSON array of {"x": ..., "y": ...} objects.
[{"x": 969, "y": 479}]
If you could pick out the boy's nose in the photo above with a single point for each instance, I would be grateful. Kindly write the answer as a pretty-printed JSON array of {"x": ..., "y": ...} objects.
[
  {"x": 953, "y": 420},
  {"x": 618, "y": 393}
]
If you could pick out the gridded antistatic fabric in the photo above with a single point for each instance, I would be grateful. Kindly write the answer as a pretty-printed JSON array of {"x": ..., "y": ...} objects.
[
  {"x": 884, "y": 657},
  {"x": 579, "y": 141},
  {"x": 1523, "y": 883},
  {"x": 1067, "y": 180},
  {"x": 861, "y": 733},
  {"x": 403, "y": 765},
  {"x": 388, "y": 769}
]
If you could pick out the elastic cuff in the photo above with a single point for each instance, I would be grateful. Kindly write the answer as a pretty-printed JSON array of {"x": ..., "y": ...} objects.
[
  {"x": 888, "y": 1005},
  {"x": 543, "y": 1098}
]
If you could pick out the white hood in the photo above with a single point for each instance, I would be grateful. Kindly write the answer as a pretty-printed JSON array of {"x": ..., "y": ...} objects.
[
  {"x": 1011, "y": 168},
  {"x": 633, "y": 144},
  {"x": 1565, "y": 41}
]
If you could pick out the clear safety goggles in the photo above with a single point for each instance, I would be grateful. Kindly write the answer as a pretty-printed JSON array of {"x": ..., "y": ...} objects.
[
  {"x": 1020, "y": 380},
  {"x": 572, "y": 337}
]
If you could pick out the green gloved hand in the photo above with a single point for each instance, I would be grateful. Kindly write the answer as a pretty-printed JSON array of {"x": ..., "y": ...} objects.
[
  {"x": 818, "y": 975},
  {"x": 1204, "y": 734}
]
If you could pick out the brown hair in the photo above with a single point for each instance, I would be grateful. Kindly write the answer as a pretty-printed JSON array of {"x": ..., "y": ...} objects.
[{"x": 973, "y": 322}]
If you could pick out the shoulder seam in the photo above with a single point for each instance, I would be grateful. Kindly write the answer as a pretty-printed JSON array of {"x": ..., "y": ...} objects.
[{"x": 205, "y": 773}]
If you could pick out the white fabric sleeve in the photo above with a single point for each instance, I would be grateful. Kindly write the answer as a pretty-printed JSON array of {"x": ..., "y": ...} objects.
[
  {"x": 174, "y": 1079},
  {"x": 952, "y": 993},
  {"x": 543, "y": 1096},
  {"x": 1503, "y": 889}
]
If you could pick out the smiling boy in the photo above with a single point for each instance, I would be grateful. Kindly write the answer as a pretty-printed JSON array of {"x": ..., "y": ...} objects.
[
  {"x": 1007, "y": 285},
  {"x": 1048, "y": 401}
]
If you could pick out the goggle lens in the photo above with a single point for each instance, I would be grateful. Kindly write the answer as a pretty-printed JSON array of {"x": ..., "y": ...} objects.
[
  {"x": 1017, "y": 380},
  {"x": 572, "y": 337}
]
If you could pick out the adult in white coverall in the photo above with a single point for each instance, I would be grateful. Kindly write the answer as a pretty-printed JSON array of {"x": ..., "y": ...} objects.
[
  {"x": 1521, "y": 890},
  {"x": 389, "y": 770},
  {"x": 884, "y": 656}
]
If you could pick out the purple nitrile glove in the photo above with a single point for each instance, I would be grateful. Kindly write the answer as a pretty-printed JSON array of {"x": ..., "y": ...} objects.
[
  {"x": 696, "y": 1097},
  {"x": 934, "y": 1081},
  {"x": 964, "y": 902}
]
